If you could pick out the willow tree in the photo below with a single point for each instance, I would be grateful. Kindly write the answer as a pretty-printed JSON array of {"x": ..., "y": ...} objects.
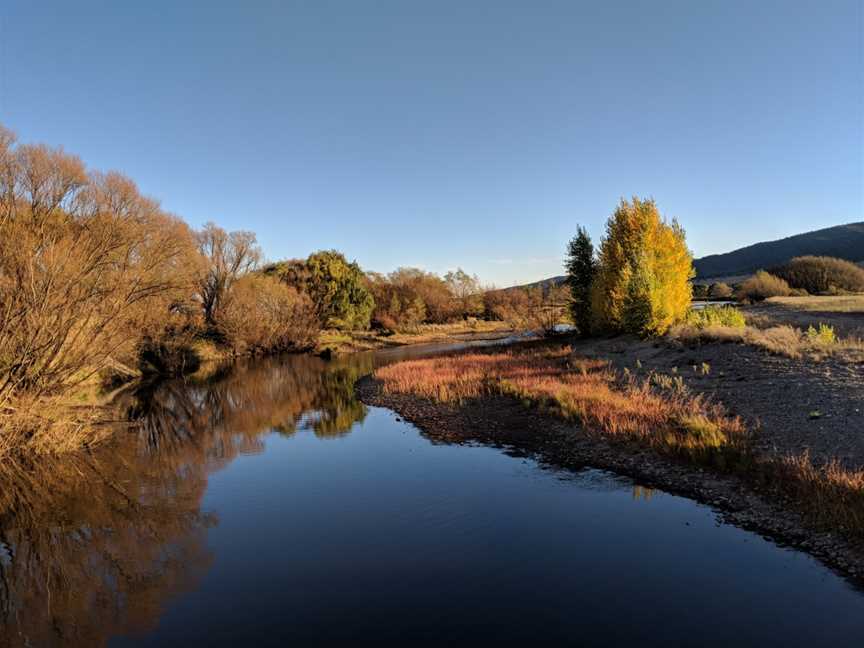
[{"x": 642, "y": 284}]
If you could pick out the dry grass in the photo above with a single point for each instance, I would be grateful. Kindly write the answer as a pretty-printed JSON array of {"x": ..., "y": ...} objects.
[
  {"x": 657, "y": 411},
  {"x": 831, "y": 496},
  {"x": 781, "y": 340},
  {"x": 353, "y": 341},
  {"x": 828, "y": 304}
]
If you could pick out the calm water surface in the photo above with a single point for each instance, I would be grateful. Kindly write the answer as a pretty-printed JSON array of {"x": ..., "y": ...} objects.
[{"x": 265, "y": 505}]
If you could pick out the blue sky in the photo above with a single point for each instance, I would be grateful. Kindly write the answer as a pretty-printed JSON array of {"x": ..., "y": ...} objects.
[{"x": 476, "y": 133}]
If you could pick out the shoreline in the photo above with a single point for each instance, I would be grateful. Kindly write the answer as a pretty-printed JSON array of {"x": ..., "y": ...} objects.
[{"x": 502, "y": 421}]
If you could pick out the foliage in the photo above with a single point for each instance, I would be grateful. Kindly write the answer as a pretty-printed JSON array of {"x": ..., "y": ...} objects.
[
  {"x": 228, "y": 256},
  {"x": 761, "y": 286},
  {"x": 408, "y": 297},
  {"x": 535, "y": 308},
  {"x": 720, "y": 290},
  {"x": 337, "y": 288},
  {"x": 263, "y": 315},
  {"x": 581, "y": 267},
  {"x": 700, "y": 291},
  {"x": 715, "y": 316},
  {"x": 642, "y": 284},
  {"x": 821, "y": 275},
  {"x": 86, "y": 265},
  {"x": 823, "y": 336},
  {"x": 466, "y": 290}
]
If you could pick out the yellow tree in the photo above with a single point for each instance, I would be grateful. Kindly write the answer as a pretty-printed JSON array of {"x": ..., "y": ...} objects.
[{"x": 643, "y": 277}]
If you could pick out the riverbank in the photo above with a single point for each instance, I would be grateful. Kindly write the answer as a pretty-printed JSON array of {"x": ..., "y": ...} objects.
[
  {"x": 790, "y": 500},
  {"x": 333, "y": 342}
]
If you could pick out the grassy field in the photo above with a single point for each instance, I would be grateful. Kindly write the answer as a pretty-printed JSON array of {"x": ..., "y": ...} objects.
[{"x": 828, "y": 304}]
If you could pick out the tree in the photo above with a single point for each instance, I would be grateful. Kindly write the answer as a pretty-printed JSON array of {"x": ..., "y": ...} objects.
[
  {"x": 821, "y": 275},
  {"x": 581, "y": 267},
  {"x": 338, "y": 289},
  {"x": 642, "y": 282},
  {"x": 719, "y": 290},
  {"x": 761, "y": 286},
  {"x": 262, "y": 315},
  {"x": 86, "y": 265},
  {"x": 228, "y": 257},
  {"x": 700, "y": 291},
  {"x": 466, "y": 290}
]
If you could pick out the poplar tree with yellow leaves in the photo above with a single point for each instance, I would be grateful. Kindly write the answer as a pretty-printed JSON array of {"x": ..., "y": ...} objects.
[{"x": 642, "y": 284}]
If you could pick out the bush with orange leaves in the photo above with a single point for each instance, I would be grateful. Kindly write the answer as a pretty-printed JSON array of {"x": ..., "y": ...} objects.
[{"x": 261, "y": 314}]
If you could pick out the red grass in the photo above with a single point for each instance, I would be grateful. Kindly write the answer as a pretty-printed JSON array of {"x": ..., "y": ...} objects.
[
  {"x": 657, "y": 411},
  {"x": 578, "y": 389}
]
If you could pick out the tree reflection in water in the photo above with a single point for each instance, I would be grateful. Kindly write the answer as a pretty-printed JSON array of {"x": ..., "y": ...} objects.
[{"x": 94, "y": 545}]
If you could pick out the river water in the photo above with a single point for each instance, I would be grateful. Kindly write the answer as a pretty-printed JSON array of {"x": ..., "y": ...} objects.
[{"x": 265, "y": 505}]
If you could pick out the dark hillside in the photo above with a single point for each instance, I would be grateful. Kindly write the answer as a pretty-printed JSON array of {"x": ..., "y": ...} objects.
[{"x": 842, "y": 241}]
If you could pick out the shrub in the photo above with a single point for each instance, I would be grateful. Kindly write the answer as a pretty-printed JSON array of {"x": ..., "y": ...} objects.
[
  {"x": 642, "y": 284},
  {"x": 408, "y": 297},
  {"x": 716, "y": 316},
  {"x": 700, "y": 291},
  {"x": 337, "y": 288},
  {"x": 761, "y": 286},
  {"x": 263, "y": 315},
  {"x": 823, "y": 336},
  {"x": 720, "y": 290},
  {"x": 822, "y": 275}
]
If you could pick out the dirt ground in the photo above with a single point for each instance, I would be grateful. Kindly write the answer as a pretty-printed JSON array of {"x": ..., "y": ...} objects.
[
  {"x": 791, "y": 405},
  {"x": 844, "y": 313}
]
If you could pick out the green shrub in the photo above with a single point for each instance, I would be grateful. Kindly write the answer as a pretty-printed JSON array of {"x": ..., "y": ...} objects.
[{"x": 716, "y": 316}]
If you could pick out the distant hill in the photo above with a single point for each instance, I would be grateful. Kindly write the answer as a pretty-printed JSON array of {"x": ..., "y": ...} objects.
[
  {"x": 842, "y": 241},
  {"x": 545, "y": 284}
]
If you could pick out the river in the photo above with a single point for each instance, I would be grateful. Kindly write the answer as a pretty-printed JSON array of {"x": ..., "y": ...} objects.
[{"x": 265, "y": 505}]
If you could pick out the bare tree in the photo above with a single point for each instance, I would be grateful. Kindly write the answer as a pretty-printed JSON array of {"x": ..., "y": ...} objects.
[
  {"x": 85, "y": 263},
  {"x": 228, "y": 257}
]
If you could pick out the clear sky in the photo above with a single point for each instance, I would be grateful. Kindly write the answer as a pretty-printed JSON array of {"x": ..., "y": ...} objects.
[{"x": 439, "y": 133}]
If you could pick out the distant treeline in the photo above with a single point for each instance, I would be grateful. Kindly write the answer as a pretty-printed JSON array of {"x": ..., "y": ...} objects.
[
  {"x": 807, "y": 275},
  {"x": 97, "y": 282}
]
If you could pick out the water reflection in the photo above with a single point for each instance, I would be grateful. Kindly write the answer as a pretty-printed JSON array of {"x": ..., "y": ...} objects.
[
  {"x": 120, "y": 531},
  {"x": 399, "y": 537}
]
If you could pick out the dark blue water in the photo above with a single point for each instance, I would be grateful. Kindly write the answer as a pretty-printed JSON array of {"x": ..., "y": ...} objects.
[{"x": 279, "y": 510}]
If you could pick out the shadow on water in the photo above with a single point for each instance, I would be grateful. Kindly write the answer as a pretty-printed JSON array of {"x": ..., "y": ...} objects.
[{"x": 121, "y": 544}]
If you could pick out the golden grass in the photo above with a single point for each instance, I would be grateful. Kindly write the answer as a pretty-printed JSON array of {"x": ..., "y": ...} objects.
[
  {"x": 828, "y": 304},
  {"x": 659, "y": 413},
  {"x": 831, "y": 496},
  {"x": 353, "y": 341},
  {"x": 781, "y": 340}
]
